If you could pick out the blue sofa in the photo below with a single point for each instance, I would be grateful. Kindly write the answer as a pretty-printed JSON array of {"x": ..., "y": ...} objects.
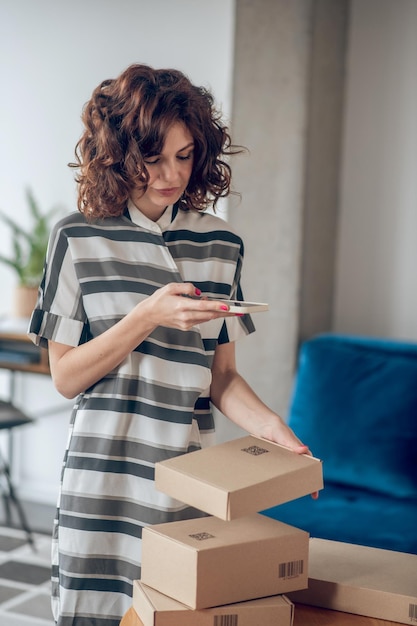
[{"x": 355, "y": 404}]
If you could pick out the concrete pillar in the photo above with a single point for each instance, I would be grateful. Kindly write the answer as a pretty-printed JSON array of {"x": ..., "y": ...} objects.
[
  {"x": 285, "y": 71},
  {"x": 322, "y": 166}
]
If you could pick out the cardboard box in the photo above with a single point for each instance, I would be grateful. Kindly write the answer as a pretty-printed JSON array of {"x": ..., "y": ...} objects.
[
  {"x": 361, "y": 580},
  {"x": 239, "y": 477},
  {"x": 156, "y": 609},
  {"x": 207, "y": 562}
]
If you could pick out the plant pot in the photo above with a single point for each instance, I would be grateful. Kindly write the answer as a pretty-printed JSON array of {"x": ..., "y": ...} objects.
[{"x": 24, "y": 301}]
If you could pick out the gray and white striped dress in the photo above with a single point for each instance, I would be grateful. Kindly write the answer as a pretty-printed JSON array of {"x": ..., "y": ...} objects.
[{"x": 154, "y": 405}]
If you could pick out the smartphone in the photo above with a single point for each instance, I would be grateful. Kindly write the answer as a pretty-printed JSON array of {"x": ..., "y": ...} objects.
[
  {"x": 239, "y": 306},
  {"x": 236, "y": 306}
]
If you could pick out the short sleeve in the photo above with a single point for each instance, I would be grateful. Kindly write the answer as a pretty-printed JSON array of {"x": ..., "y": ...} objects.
[
  {"x": 59, "y": 314},
  {"x": 235, "y": 328}
]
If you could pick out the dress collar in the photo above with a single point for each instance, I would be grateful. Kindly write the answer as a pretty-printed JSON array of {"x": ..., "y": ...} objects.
[{"x": 141, "y": 220}]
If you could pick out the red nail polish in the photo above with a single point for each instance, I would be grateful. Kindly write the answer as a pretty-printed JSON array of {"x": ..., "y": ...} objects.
[
  {"x": 224, "y": 307},
  {"x": 197, "y": 291}
]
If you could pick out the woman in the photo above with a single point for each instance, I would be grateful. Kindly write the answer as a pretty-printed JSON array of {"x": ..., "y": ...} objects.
[{"x": 143, "y": 361}]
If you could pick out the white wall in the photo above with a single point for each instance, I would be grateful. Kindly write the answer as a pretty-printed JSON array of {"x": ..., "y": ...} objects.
[
  {"x": 376, "y": 285},
  {"x": 53, "y": 54}
]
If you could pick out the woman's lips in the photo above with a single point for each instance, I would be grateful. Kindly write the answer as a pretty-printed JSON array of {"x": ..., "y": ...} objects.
[{"x": 169, "y": 191}]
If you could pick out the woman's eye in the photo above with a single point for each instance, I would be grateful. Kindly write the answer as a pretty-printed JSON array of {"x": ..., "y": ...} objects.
[
  {"x": 185, "y": 157},
  {"x": 151, "y": 161}
]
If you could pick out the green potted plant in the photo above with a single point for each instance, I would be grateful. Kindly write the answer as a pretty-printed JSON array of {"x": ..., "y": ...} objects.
[{"x": 28, "y": 254}]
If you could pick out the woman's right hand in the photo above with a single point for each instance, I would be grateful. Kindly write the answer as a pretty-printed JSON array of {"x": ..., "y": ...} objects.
[
  {"x": 177, "y": 305},
  {"x": 181, "y": 306}
]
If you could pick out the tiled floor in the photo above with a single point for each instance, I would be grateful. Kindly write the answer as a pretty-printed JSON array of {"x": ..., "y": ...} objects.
[{"x": 24, "y": 579}]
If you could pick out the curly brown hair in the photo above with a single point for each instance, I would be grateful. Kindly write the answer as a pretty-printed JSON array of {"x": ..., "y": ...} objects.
[{"x": 127, "y": 119}]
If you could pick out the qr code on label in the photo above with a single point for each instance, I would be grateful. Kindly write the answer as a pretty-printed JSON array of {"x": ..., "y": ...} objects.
[
  {"x": 255, "y": 450},
  {"x": 202, "y": 536}
]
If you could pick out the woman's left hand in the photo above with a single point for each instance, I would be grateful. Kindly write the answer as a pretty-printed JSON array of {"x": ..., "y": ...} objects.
[{"x": 234, "y": 397}]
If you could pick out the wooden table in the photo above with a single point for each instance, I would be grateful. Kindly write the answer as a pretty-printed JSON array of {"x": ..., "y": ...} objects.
[
  {"x": 303, "y": 616},
  {"x": 32, "y": 359}
]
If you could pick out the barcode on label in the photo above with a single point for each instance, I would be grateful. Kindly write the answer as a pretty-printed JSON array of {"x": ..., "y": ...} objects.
[
  {"x": 225, "y": 620},
  {"x": 291, "y": 569},
  {"x": 412, "y": 612}
]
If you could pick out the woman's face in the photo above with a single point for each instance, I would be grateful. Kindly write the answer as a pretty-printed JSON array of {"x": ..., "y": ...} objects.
[{"x": 169, "y": 173}]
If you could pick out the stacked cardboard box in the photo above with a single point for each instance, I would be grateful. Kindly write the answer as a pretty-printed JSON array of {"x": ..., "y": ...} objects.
[
  {"x": 239, "y": 477},
  {"x": 233, "y": 566},
  {"x": 208, "y": 562},
  {"x": 361, "y": 580},
  {"x": 157, "y": 609}
]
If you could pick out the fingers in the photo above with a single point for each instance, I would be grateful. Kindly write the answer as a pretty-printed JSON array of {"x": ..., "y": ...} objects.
[
  {"x": 182, "y": 305},
  {"x": 184, "y": 289},
  {"x": 202, "y": 304},
  {"x": 302, "y": 449}
]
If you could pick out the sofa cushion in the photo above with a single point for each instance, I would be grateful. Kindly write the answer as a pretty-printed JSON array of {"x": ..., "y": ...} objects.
[
  {"x": 354, "y": 516},
  {"x": 355, "y": 405}
]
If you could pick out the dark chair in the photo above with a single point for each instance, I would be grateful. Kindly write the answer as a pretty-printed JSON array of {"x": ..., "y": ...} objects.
[{"x": 11, "y": 417}]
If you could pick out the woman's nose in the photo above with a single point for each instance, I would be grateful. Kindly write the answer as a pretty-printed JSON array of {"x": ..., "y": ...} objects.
[{"x": 169, "y": 171}]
